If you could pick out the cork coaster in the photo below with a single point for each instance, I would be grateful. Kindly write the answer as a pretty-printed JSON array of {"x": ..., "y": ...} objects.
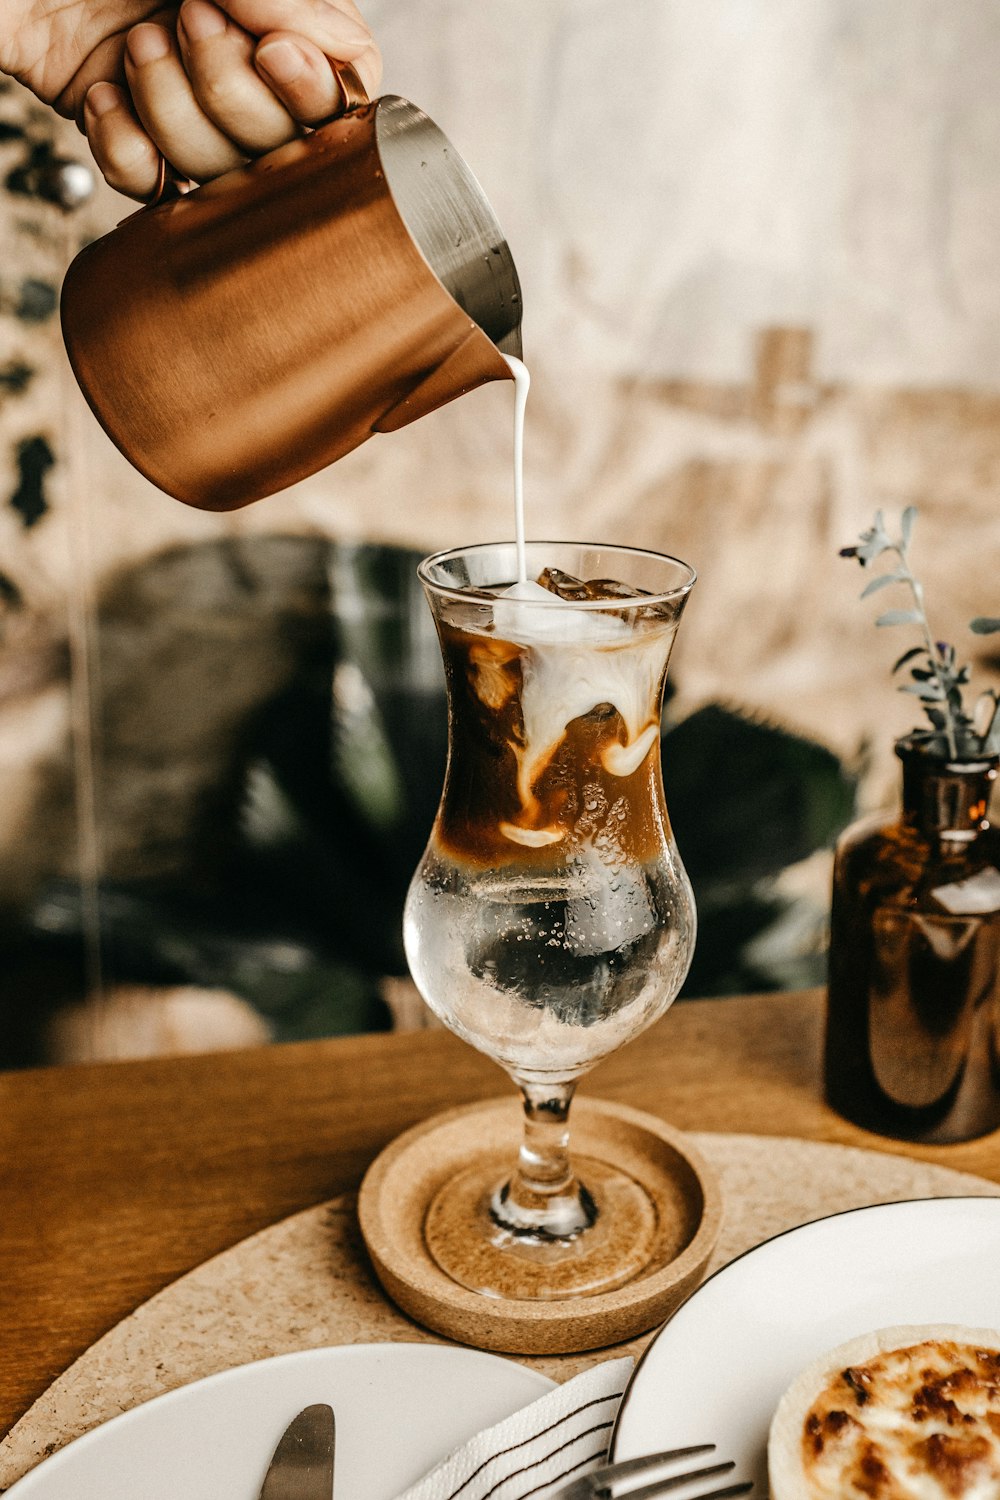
[{"x": 403, "y": 1182}]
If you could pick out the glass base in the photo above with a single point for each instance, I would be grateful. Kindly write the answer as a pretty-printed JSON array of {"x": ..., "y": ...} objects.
[{"x": 464, "y": 1238}]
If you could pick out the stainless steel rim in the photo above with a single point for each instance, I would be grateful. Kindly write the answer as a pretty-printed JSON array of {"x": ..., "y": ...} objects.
[{"x": 450, "y": 219}]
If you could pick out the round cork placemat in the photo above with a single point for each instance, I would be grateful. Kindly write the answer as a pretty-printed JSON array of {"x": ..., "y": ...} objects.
[
  {"x": 403, "y": 1182},
  {"x": 306, "y": 1282}
]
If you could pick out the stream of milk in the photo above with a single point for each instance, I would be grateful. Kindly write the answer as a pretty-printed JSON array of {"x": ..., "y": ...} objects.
[
  {"x": 563, "y": 675},
  {"x": 522, "y": 381}
]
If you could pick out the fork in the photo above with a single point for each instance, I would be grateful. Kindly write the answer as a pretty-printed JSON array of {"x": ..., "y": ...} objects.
[{"x": 606, "y": 1483}]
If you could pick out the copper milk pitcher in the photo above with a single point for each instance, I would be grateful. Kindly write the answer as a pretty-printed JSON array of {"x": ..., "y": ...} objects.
[{"x": 244, "y": 335}]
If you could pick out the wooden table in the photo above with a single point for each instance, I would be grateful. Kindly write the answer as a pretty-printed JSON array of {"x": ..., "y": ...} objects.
[{"x": 117, "y": 1178}]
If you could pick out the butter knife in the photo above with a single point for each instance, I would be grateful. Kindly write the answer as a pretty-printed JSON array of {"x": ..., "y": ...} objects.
[{"x": 302, "y": 1466}]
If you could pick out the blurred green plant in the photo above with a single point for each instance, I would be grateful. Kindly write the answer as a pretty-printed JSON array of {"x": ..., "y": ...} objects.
[
  {"x": 748, "y": 802},
  {"x": 298, "y": 869}
]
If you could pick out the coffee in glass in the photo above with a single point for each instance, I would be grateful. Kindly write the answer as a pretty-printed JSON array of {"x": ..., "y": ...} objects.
[{"x": 550, "y": 919}]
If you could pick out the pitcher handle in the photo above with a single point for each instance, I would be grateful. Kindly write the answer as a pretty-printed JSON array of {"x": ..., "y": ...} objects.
[
  {"x": 169, "y": 185},
  {"x": 354, "y": 92}
]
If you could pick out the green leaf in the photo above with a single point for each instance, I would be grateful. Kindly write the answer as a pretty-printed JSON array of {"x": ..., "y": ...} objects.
[
  {"x": 985, "y": 624},
  {"x": 899, "y": 617},
  {"x": 909, "y": 516},
  {"x": 871, "y": 546},
  {"x": 880, "y": 583},
  {"x": 928, "y": 691},
  {"x": 990, "y": 731},
  {"x": 984, "y": 714},
  {"x": 908, "y": 656}
]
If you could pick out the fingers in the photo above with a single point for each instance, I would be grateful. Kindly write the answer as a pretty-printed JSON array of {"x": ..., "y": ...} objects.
[
  {"x": 297, "y": 37},
  {"x": 236, "y": 80},
  {"x": 168, "y": 109},
  {"x": 300, "y": 75},
  {"x": 105, "y": 63},
  {"x": 369, "y": 62},
  {"x": 334, "y": 26},
  {"x": 218, "y": 57},
  {"x": 124, "y": 152}
]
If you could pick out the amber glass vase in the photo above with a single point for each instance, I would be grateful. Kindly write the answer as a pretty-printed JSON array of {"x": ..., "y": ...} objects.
[{"x": 914, "y": 973}]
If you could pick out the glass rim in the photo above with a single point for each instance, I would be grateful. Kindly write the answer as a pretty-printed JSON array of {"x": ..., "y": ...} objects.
[{"x": 449, "y": 591}]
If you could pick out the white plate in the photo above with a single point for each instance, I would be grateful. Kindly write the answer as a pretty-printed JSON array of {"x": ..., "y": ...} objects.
[
  {"x": 399, "y": 1409},
  {"x": 715, "y": 1372}
]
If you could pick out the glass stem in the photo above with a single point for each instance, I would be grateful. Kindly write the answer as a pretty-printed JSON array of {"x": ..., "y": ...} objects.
[{"x": 543, "y": 1200}]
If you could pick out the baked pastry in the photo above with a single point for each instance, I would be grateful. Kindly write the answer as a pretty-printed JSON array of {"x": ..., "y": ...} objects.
[{"x": 909, "y": 1413}]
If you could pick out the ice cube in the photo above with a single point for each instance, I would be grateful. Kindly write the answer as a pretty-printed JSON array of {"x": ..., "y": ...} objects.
[
  {"x": 597, "y": 590},
  {"x": 563, "y": 585},
  {"x": 577, "y": 590},
  {"x": 527, "y": 589},
  {"x": 627, "y": 593},
  {"x": 524, "y": 613},
  {"x": 612, "y": 588}
]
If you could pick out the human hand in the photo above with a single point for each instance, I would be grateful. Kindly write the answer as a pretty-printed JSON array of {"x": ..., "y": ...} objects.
[{"x": 206, "y": 87}]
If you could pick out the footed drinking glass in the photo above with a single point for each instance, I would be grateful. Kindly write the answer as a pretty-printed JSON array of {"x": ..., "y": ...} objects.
[{"x": 550, "y": 919}]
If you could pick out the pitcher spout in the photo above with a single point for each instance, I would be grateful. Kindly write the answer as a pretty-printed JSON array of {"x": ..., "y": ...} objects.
[{"x": 474, "y": 361}]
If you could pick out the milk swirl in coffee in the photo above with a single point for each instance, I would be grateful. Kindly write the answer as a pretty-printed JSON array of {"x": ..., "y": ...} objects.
[
  {"x": 545, "y": 910},
  {"x": 562, "y": 676}
]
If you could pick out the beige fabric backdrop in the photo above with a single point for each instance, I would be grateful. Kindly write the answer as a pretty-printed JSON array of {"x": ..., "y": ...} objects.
[{"x": 759, "y": 243}]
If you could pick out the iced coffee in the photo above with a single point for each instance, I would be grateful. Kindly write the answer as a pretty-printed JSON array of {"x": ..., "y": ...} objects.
[{"x": 551, "y": 918}]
